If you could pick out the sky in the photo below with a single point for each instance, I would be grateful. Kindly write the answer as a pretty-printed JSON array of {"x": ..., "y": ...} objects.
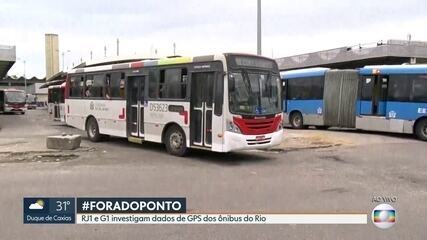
[{"x": 199, "y": 27}]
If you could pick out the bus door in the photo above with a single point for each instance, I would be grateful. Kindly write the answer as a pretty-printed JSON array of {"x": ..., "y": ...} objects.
[
  {"x": 201, "y": 108},
  {"x": 135, "y": 105},
  {"x": 374, "y": 95}
]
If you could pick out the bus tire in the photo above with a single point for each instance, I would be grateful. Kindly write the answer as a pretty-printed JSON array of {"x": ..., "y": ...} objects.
[
  {"x": 421, "y": 129},
  {"x": 92, "y": 130},
  {"x": 296, "y": 120},
  {"x": 175, "y": 141}
]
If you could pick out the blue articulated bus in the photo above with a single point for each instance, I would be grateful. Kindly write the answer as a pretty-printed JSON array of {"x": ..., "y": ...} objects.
[{"x": 388, "y": 98}]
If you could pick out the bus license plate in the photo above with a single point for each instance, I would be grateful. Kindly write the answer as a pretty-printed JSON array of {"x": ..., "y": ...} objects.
[{"x": 259, "y": 138}]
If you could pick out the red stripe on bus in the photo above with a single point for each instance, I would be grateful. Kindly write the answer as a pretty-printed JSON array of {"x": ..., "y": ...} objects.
[
  {"x": 122, "y": 115},
  {"x": 185, "y": 114}
]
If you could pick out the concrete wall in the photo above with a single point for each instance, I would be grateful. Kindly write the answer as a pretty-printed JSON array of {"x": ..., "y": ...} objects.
[
  {"x": 403, "y": 51},
  {"x": 52, "y": 54},
  {"x": 7, "y": 53},
  {"x": 7, "y": 59}
]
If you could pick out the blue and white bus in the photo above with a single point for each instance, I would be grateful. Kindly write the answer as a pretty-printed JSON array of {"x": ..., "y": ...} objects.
[{"x": 388, "y": 98}]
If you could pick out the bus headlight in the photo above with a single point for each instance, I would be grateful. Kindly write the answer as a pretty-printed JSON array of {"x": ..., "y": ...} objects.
[{"x": 231, "y": 127}]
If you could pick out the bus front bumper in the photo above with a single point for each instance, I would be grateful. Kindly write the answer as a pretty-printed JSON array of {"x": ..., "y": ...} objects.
[{"x": 236, "y": 141}]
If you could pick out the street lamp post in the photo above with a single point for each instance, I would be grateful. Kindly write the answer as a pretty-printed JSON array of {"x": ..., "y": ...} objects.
[
  {"x": 25, "y": 78},
  {"x": 63, "y": 59}
]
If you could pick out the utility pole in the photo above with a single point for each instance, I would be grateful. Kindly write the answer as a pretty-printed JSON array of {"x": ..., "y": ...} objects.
[
  {"x": 174, "y": 49},
  {"x": 91, "y": 54},
  {"x": 259, "y": 51},
  {"x": 118, "y": 47},
  {"x": 105, "y": 50}
]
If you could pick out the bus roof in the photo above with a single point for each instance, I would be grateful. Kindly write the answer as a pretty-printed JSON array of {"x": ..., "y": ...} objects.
[
  {"x": 394, "y": 69},
  {"x": 306, "y": 72},
  {"x": 158, "y": 62}
]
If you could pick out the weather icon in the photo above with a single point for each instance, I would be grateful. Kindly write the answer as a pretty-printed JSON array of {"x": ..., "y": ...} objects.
[{"x": 38, "y": 205}]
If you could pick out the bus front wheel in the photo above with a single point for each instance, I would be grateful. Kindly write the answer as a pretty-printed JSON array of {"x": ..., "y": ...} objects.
[
  {"x": 421, "y": 129},
  {"x": 92, "y": 130},
  {"x": 297, "y": 120},
  {"x": 175, "y": 141}
]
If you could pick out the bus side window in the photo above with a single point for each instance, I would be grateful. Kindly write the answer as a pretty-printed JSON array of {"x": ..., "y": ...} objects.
[
  {"x": 81, "y": 86},
  {"x": 219, "y": 93},
  {"x": 399, "y": 88},
  {"x": 419, "y": 88},
  {"x": 115, "y": 85},
  {"x": 153, "y": 83},
  {"x": 173, "y": 83},
  {"x": 107, "y": 87},
  {"x": 122, "y": 85},
  {"x": 75, "y": 87},
  {"x": 97, "y": 89},
  {"x": 88, "y": 86}
]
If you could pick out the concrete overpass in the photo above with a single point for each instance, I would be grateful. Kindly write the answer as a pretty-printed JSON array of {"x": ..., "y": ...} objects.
[
  {"x": 7, "y": 59},
  {"x": 390, "y": 52}
]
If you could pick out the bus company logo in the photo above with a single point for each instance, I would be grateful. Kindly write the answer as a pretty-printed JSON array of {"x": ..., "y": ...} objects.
[
  {"x": 319, "y": 111},
  {"x": 384, "y": 216},
  {"x": 259, "y": 110},
  {"x": 91, "y": 105},
  {"x": 392, "y": 114},
  {"x": 422, "y": 110}
]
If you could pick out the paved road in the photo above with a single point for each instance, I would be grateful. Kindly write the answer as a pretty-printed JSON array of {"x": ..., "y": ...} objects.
[{"x": 318, "y": 177}]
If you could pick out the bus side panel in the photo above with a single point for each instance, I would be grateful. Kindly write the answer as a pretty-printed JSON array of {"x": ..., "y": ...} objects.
[
  {"x": 108, "y": 113},
  {"x": 409, "y": 111},
  {"x": 365, "y": 107},
  {"x": 311, "y": 110},
  {"x": 75, "y": 113},
  {"x": 400, "y": 118},
  {"x": 157, "y": 114}
]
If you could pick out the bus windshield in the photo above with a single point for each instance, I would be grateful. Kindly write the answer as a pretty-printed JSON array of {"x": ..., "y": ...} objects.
[
  {"x": 15, "y": 97},
  {"x": 254, "y": 93}
]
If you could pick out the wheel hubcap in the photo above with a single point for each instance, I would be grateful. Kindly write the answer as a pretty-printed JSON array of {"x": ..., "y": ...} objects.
[
  {"x": 92, "y": 130},
  {"x": 425, "y": 130},
  {"x": 176, "y": 140},
  {"x": 297, "y": 121}
]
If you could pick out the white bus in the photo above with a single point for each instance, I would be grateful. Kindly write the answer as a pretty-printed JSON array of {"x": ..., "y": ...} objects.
[
  {"x": 220, "y": 103},
  {"x": 56, "y": 102}
]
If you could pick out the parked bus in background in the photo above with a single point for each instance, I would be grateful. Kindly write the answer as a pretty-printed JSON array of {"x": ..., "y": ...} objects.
[
  {"x": 220, "y": 103},
  {"x": 388, "y": 98},
  {"x": 12, "y": 101},
  {"x": 56, "y": 102},
  {"x": 31, "y": 101}
]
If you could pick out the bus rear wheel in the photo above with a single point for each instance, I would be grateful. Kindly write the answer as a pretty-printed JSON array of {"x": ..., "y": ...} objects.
[
  {"x": 421, "y": 129},
  {"x": 297, "y": 120},
  {"x": 92, "y": 130},
  {"x": 175, "y": 141}
]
